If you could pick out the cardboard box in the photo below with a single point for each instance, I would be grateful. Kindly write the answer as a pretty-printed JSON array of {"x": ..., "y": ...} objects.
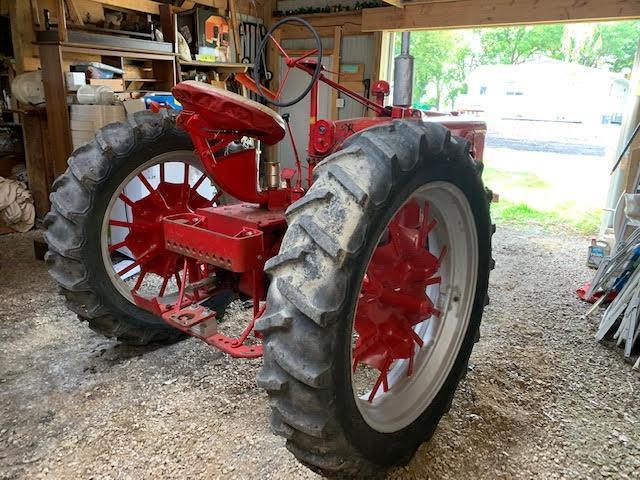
[{"x": 115, "y": 84}]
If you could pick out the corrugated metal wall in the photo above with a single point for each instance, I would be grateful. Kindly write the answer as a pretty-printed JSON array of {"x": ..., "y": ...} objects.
[{"x": 357, "y": 49}]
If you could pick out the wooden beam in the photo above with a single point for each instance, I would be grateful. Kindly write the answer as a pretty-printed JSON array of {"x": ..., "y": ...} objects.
[
  {"x": 61, "y": 18},
  {"x": 291, "y": 32},
  {"x": 35, "y": 13},
  {"x": 235, "y": 29},
  {"x": 147, "y": 6},
  {"x": 482, "y": 13},
  {"x": 57, "y": 111},
  {"x": 22, "y": 35},
  {"x": 74, "y": 12}
]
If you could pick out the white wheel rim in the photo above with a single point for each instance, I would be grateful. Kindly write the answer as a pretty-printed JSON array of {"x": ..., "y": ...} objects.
[
  {"x": 408, "y": 397},
  {"x": 177, "y": 157}
]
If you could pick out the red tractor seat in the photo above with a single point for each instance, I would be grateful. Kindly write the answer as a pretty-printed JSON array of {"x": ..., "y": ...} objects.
[{"x": 225, "y": 110}]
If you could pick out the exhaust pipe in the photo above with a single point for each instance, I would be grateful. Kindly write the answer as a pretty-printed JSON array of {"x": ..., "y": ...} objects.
[{"x": 403, "y": 74}]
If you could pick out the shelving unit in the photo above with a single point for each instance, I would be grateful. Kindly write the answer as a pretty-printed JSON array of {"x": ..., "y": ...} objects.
[{"x": 53, "y": 57}]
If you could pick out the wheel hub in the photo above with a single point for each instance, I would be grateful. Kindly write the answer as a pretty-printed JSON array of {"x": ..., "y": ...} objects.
[
  {"x": 394, "y": 294},
  {"x": 145, "y": 239},
  {"x": 142, "y": 219}
]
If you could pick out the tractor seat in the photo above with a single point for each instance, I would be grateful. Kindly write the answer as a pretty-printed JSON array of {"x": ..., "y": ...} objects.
[{"x": 224, "y": 110}]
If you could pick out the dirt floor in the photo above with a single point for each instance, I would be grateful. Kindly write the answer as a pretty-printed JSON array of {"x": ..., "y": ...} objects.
[{"x": 541, "y": 399}]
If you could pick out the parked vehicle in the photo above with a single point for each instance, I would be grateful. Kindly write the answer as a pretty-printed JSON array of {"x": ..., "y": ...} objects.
[{"x": 368, "y": 274}]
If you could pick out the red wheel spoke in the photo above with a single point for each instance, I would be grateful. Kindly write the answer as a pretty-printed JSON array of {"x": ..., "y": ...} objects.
[
  {"x": 126, "y": 199},
  {"x": 146, "y": 183},
  {"x": 375, "y": 388},
  {"x": 443, "y": 252},
  {"x": 417, "y": 339},
  {"x": 143, "y": 258},
  {"x": 433, "y": 281},
  {"x": 116, "y": 246},
  {"x": 382, "y": 380},
  {"x": 185, "y": 179},
  {"x": 152, "y": 191},
  {"x": 284, "y": 80},
  {"x": 137, "y": 224},
  {"x": 198, "y": 182},
  {"x": 279, "y": 47},
  {"x": 306, "y": 54},
  {"x": 141, "y": 276},
  {"x": 119, "y": 223},
  {"x": 425, "y": 227},
  {"x": 130, "y": 267}
]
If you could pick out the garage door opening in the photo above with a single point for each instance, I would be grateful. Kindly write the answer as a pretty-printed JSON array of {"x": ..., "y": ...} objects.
[{"x": 553, "y": 97}]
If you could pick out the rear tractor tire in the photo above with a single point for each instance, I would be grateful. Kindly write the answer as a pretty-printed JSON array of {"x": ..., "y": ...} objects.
[
  {"x": 100, "y": 227},
  {"x": 376, "y": 298}
]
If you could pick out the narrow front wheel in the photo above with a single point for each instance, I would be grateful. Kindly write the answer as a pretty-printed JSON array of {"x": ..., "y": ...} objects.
[{"x": 376, "y": 298}]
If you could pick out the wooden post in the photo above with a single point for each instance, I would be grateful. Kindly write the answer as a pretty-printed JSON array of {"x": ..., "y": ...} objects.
[
  {"x": 34, "y": 124},
  {"x": 335, "y": 66},
  {"x": 62, "y": 21},
  {"x": 169, "y": 28},
  {"x": 74, "y": 13},
  {"x": 235, "y": 27},
  {"x": 168, "y": 25},
  {"x": 22, "y": 35},
  {"x": 57, "y": 110}
]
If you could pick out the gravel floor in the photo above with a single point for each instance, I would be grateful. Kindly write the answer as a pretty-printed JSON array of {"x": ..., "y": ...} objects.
[{"x": 541, "y": 398}]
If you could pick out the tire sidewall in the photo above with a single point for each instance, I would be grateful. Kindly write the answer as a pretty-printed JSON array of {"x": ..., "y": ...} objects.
[{"x": 386, "y": 448}]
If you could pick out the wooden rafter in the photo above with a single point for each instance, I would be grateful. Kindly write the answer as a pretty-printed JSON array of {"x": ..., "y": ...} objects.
[{"x": 442, "y": 14}]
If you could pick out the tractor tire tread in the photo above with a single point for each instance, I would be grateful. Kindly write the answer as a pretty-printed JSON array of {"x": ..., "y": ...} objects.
[
  {"x": 72, "y": 199},
  {"x": 298, "y": 379}
]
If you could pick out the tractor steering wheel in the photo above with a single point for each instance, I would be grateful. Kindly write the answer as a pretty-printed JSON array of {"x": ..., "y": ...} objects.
[{"x": 306, "y": 59}]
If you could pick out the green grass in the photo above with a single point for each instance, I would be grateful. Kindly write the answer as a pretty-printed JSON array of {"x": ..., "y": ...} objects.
[
  {"x": 562, "y": 218},
  {"x": 513, "y": 179},
  {"x": 526, "y": 199}
]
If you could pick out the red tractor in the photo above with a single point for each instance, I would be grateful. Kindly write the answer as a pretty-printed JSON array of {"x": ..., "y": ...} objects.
[{"x": 367, "y": 274}]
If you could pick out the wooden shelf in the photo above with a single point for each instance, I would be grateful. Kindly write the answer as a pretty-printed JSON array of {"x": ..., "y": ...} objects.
[
  {"x": 91, "y": 49},
  {"x": 218, "y": 65},
  {"x": 145, "y": 80}
]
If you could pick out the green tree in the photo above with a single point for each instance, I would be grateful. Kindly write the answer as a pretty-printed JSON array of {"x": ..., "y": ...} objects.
[
  {"x": 513, "y": 45},
  {"x": 582, "y": 43},
  {"x": 441, "y": 63},
  {"x": 604, "y": 45},
  {"x": 619, "y": 43}
]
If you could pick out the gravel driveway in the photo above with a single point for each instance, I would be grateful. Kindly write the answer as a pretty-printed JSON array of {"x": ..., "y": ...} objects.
[{"x": 541, "y": 399}]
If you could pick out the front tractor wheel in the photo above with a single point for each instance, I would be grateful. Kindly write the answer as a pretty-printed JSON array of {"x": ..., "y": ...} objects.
[{"x": 376, "y": 298}]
